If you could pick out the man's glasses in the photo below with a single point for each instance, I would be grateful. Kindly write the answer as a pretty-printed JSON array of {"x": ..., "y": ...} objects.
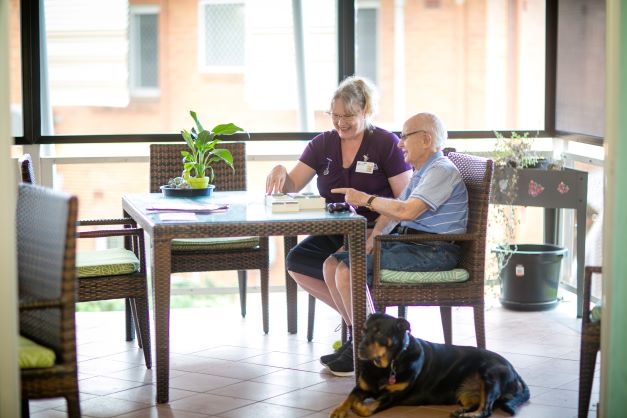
[
  {"x": 403, "y": 137},
  {"x": 338, "y": 118}
]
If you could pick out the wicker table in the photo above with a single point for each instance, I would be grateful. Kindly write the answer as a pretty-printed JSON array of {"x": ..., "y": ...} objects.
[{"x": 247, "y": 215}]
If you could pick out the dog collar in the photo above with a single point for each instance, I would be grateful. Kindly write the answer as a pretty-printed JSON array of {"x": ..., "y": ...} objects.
[{"x": 392, "y": 376}]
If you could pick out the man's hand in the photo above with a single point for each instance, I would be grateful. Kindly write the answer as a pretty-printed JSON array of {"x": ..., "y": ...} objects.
[{"x": 352, "y": 196}]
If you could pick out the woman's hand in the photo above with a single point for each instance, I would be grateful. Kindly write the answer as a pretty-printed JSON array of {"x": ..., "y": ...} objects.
[{"x": 276, "y": 180}]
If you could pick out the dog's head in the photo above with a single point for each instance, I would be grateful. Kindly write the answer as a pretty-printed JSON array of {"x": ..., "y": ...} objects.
[{"x": 383, "y": 338}]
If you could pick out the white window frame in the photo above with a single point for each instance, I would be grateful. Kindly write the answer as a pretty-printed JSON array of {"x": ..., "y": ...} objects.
[
  {"x": 133, "y": 66},
  {"x": 203, "y": 67}
]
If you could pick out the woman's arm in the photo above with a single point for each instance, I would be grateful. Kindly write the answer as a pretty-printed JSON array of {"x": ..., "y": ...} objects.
[{"x": 399, "y": 182}]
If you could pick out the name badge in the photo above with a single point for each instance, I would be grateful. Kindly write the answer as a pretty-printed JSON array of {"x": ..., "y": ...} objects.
[{"x": 365, "y": 167}]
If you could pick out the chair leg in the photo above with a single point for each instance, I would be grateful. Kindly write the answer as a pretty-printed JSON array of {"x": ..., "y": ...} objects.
[
  {"x": 587, "y": 362},
  {"x": 402, "y": 311},
  {"x": 265, "y": 301},
  {"x": 130, "y": 331},
  {"x": 310, "y": 317},
  {"x": 140, "y": 312},
  {"x": 447, "y": 324},
  {"x": 479, "y": 314},
  {"x": 241, "y": 277},
  {"x": 344, "y": 332},
  {"x": 73, "y": 405},
  {"x": 25, "y": 408},
  {"x": 136, "y": 325}
]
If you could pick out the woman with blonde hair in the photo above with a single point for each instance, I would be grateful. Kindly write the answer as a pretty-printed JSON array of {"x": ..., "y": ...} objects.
[{"x": 355, "y": 154}]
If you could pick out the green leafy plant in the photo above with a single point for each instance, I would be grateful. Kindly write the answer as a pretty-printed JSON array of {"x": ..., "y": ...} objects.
[
  {"x": 511, "y": 154},
  {"x": 514, "y": 151},
  {"x": 197, "y": 162}
]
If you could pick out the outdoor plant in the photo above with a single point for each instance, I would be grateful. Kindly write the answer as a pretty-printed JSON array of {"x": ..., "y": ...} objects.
[
  {"x": 511, "y": 154},
  {"x": 202, "y": 152}
]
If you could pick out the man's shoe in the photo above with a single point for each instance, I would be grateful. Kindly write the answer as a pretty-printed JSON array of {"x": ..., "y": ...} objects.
[
  {"x": 328, "y": 358},
  {"x": 343, "y": 365}
]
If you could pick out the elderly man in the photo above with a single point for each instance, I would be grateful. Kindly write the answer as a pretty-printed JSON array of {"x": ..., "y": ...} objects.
[{"x": 435, "y": 202}]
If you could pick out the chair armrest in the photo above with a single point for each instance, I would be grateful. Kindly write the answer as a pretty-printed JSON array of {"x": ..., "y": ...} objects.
[
  {"x": 97, "y": 222},
  {"x": 126, "y": 232},
  {"x": 424, "y": 237},
  {"x": 27, "y": 305}
]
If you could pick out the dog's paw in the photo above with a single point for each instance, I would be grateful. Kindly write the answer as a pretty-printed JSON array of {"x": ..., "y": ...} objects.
[
  {"x": 338, "y": 413},
  {"x": 465, "y": 413}
]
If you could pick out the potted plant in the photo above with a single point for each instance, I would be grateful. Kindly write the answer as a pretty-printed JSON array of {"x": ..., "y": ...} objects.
[
  {"x": 528, "y": 274},
  {"x": 202, "y": 153}
]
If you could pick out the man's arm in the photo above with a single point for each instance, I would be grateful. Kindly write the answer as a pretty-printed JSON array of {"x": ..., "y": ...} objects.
[{"x": 399, "y": 210}]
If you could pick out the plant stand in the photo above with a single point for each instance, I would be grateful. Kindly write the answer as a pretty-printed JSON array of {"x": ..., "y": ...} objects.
[{"x": 552, "y": 190}]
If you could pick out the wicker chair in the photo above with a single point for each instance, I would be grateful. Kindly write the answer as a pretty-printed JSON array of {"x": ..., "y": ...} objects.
[
  {"x": 477, "y": 175},
  {"x": 93, "y": 285},
  {"x": 239, "y": 254},
  {"x": 46, "y": 244},
  {"x": 590, "y": 344}
]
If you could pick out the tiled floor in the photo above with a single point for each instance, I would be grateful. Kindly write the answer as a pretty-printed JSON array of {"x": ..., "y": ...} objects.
[{"x": 223, "y": 366}]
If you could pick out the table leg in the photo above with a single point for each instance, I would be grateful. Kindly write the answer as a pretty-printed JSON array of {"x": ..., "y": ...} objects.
[
  {"x": 359, "y": 290},
  {"x": 291, "y": 289},
  {"x": 161, "y": 269}
]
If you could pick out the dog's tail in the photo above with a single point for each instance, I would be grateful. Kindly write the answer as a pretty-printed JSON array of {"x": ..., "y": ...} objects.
[{"x": 521, "y": 396}]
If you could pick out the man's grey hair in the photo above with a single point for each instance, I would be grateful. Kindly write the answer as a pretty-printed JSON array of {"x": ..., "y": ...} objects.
[{"x": 438, "y": 131}]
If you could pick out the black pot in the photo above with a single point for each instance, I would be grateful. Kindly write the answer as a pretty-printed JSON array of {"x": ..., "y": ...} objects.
[{"x": 530, "y": 279}]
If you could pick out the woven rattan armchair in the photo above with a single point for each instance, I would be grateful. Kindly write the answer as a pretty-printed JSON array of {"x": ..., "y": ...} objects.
[
  {"x": 46, "y": 244},
  {"x": 477, "y": 175},
  {"x": 590, "y": 344},
  {"x": 239, "y": 254},
  {"x": 131, "y": 286}
]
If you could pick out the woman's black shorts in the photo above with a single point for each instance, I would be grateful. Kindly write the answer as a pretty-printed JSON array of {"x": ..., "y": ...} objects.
[{"x": 308, "y": 256}]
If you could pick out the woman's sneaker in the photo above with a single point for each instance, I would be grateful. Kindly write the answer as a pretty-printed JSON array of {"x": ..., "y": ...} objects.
[
  {"x": 343, "y": 365},
  {"x": 328, "y": 358}
]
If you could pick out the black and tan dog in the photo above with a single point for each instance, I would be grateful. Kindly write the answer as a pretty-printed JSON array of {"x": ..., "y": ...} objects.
[{"x": 398, "y": 369}]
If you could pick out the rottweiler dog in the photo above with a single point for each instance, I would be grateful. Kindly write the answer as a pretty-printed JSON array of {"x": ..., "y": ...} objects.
[{"x": 398, "y": 369}]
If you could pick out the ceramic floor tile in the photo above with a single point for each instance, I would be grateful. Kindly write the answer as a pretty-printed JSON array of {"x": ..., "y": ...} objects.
[
  {"x": 307, "y": 399},
  {"x": 208, "y": 404},
  {"x": 101, "y": 385},
  {"x": 198, "y": 382},
  {"x": 147, "y": 394},
  {"x": 103, "y": 407},
  {"x": 162, "y": 412},
  {"x": 99, "y": 366},
  {"x": 279, "y": 359},
  {"x": 293, "y": 378},
  {"x": 557, "y": 397},
  {"x": 233, "y": 353},
  {"x": 253, "y": 391},
  {"x": 261, "y": 409},
  {"x": 340, "y": 385},
  {"x": 212, "y": 374},
  {"x": 50, "y": 413}
]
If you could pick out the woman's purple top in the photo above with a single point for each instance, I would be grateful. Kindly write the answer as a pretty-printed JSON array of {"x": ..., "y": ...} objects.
[{"x": 324, "y": 154}]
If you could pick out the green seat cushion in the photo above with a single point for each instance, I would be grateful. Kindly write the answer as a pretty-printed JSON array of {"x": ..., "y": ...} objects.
[
  {"x": 109, "y": 262},
  {"x": 215, "y": 244},
  {"x": 34, "y": 356},
  {"x": 595, "y": 313},
  {"x": 448, "y": 276}
]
